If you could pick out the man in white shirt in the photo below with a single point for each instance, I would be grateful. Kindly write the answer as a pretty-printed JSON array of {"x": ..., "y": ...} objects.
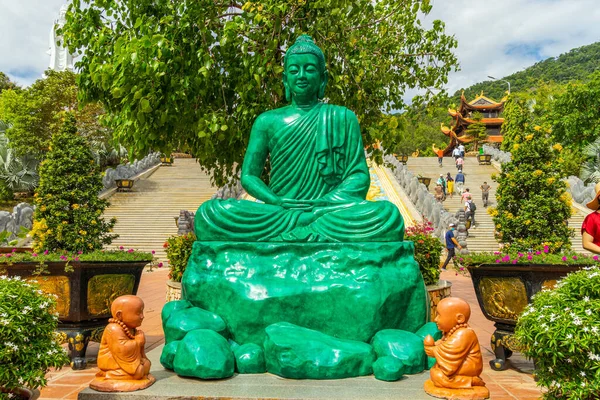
[{"x": 461, "y": 148}]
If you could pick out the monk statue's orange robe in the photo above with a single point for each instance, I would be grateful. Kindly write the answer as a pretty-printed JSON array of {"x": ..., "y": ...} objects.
[{"x": 458, "y": 360}]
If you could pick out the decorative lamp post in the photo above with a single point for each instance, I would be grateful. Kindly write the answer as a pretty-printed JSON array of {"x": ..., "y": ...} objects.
[{"x": 502, "y": 80}]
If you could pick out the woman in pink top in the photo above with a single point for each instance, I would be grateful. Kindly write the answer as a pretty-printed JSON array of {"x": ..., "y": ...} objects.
[
  {"x": 590, "y": 229},
  {"x": 459, "y": 163}
]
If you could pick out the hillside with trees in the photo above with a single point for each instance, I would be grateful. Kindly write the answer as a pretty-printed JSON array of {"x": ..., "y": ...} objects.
[{"x": 576, "y": 65}]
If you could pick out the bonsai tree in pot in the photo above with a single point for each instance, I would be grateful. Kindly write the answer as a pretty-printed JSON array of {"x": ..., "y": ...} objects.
[
  {"x": 531, "y": 222},
  {"x": 179, "y": 249},
  {"x": 68, "y": 216},
  {"x": 29, "y": 347},
  {"x": 69, "y": 233},
  {"x": 428, "y": 250}
]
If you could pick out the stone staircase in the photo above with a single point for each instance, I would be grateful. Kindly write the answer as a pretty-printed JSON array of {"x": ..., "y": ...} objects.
[
  {"x": 146, "y": 215},
  {"x": 481, "y": 237}
]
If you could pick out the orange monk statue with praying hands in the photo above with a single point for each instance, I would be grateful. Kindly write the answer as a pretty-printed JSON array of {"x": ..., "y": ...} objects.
[
  {"x": 458, "y": 365},
  {"x": 122, "y": 359}
]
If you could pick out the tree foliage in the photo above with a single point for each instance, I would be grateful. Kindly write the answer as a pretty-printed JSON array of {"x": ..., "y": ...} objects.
[
  {"x": 477, "y": 130},
  {"x": 194, "y": 75},
  {"x": 6, "y": 83},
  {"x": 68, "y": 215},
  {"x": 533, "y": 206},
  {"x": 35, "y": 113}
]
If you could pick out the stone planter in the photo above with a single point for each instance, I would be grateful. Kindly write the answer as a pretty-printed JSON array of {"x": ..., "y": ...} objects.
[
  {"x": 403, "y": 159},
  {"x": 484, "y": 159},
  {"x": 425, "y": 181},
  {"x": 22, "y": 393},
  {"x": 503, "y": 292},
  {"x": 435, "y": 294},
  {"x": 124, "y": 184},
  {"x": 173, "y": 290},
  {"x": 84, "y": 296},
  {"x": 166, "y": 160}
]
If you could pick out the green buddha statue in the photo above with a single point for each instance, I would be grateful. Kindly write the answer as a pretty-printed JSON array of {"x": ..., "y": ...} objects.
[{"x": 319, "y": 175}]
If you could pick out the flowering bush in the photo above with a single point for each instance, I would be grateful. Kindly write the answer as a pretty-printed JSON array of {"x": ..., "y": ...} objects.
[
  {"x": 532, "y": 203},
  {"x": 179, "y": 249},
  {"x": 560, "y": 330},
  {"x": 28, "y": 346},
  {"x": 543, "y": 256},
  {"x": 68, "y": 215},
  {"x": 428, "y": 250}
]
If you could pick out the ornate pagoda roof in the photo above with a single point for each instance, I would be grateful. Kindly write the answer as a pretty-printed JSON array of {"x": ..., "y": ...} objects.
[{"x": 480, "y": 103}]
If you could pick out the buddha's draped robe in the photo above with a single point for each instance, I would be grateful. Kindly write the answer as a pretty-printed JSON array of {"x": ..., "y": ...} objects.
[
  {"x": 458, "y": 360},
  {"x": 319, "y": 155},
  {"x": 118, "y": 357}
]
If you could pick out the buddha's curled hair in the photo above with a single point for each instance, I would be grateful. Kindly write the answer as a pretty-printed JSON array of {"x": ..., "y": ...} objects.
[{"x": 306, "y": 45}]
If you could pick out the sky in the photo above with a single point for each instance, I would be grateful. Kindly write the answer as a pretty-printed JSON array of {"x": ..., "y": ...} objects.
[{"x": 494, "y": 38}]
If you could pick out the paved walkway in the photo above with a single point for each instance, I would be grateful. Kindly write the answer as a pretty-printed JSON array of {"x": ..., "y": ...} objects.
[{"x": 514, "y": 383}]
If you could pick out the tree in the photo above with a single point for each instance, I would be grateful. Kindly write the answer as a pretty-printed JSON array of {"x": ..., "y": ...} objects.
[
  {"x": 35, "y": 113},
  {"x": 477, "y": 130},
  {"x": 195, "y": 74},
  {"x": 6, "y": 83},
  {"x": 68, "y": 215},
  {"x": 533, "y": 206}
]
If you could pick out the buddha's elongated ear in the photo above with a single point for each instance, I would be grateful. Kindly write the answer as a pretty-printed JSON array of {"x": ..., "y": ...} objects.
[
  {"x": 323, "y": 84},
  {"x": 119, "y": 315},
  {"x": 460, "y": 318},
  {"x": 288, "y": 94}
]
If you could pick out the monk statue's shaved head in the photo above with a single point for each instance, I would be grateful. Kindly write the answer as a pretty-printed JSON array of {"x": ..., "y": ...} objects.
[
  {"x": 126, "y": 301},
  {"x": 455, "y": 305}
]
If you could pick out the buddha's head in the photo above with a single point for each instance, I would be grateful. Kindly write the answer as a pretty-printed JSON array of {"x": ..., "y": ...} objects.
[
  {"x": 129, "y": 309},
  {"x": 452, "y": 311},
  {"x": 304, "y": 75}
]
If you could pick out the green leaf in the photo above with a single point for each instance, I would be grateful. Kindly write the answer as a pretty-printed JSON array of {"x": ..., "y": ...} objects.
[{"x": 145, "y": 105}]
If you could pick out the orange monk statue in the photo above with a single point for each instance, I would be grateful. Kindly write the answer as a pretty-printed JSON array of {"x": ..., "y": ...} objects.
[
  {"x": 458, "y": 365},
  {"x": 122, "y": 359}
]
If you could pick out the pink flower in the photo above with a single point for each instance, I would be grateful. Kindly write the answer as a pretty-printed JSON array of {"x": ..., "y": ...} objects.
[
  {"x": 121, "y": 248},
  {"x": 537, "y": 253},
  {"x": 514, "y": 261},
  {"x": 34, "y": 255},
  {"x": 496, "y": 253},
  {"x": 130, "y": 251},
  {"x": 14, "y": 251},
  {"x": 595, "y": 258},
  {"x": 574, "y": 257},
  {"x": 76, "y": 259},
  {"x": 564, "y": 258},
  {"x": 497, "y": 261},
  {"x": 45, "y": 252},
  {"x": 8, "y": 255},
  {"x": 153, "y": 252},
  {"x": 160, "y": 265},
  {"x": 529, "y": 257},
  {"x": 546, "y": 249},
  {"x": 63, "y": 258},
  {"x": 506, "y": 258},
  {"x": 520, "y": 255},
  {"x": 80, "y": 252}
]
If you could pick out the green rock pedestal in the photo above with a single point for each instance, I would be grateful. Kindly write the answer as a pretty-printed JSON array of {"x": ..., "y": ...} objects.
[{"x": 347, "y": 290}]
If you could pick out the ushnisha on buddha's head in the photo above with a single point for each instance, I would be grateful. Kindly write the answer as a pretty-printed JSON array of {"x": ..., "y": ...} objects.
[
  {"x": 452, "y": 311},
  {"x": 304, "y": 76},
  {"x": 129, "y": 309}
]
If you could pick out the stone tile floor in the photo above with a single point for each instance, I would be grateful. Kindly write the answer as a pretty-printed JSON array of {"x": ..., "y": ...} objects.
[{"x": 514, "y": 383}]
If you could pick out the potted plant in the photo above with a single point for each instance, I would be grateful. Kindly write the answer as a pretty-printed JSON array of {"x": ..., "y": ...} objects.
[
  {"x": 166, "y": 160},
  {"x": 428, "y": 250},
  {"x": 531, "y": 224},
  {"x": 69, "y": 234},
  {"x": 29, "y": 347},
  {"x": 559, "y": 330},
  {"x": 505, "y": 284},
  {"x": 179, "y": 249},
  {"x": 424, "y": 180}
]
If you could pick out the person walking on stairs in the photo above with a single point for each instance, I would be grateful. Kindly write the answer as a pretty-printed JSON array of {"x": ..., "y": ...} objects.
[
  {"x": 439, "y": 153},
  {"x": 485, "y": 193},
  {"x": 451, "y": 244},
  {"x": 470, "y": 208},
  {"x": 450, "y": 183},
  {"x": 461, "y": 148},
  {"x": 460, "y": 182},
  {"x": 442, "y": 182},
  {"x": 460, "y": 163}
]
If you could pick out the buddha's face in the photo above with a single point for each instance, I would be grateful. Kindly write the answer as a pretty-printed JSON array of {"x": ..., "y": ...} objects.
[
  {"x": 302, "y": 77},
  {"x": 134, "y": 315}
]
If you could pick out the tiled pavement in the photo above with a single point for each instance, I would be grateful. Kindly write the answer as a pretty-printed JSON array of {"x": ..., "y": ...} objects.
[{"x": 515, "y": 383}]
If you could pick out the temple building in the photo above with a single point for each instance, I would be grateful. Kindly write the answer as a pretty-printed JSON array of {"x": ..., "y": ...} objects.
[{"x": 463, "y": 117}]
